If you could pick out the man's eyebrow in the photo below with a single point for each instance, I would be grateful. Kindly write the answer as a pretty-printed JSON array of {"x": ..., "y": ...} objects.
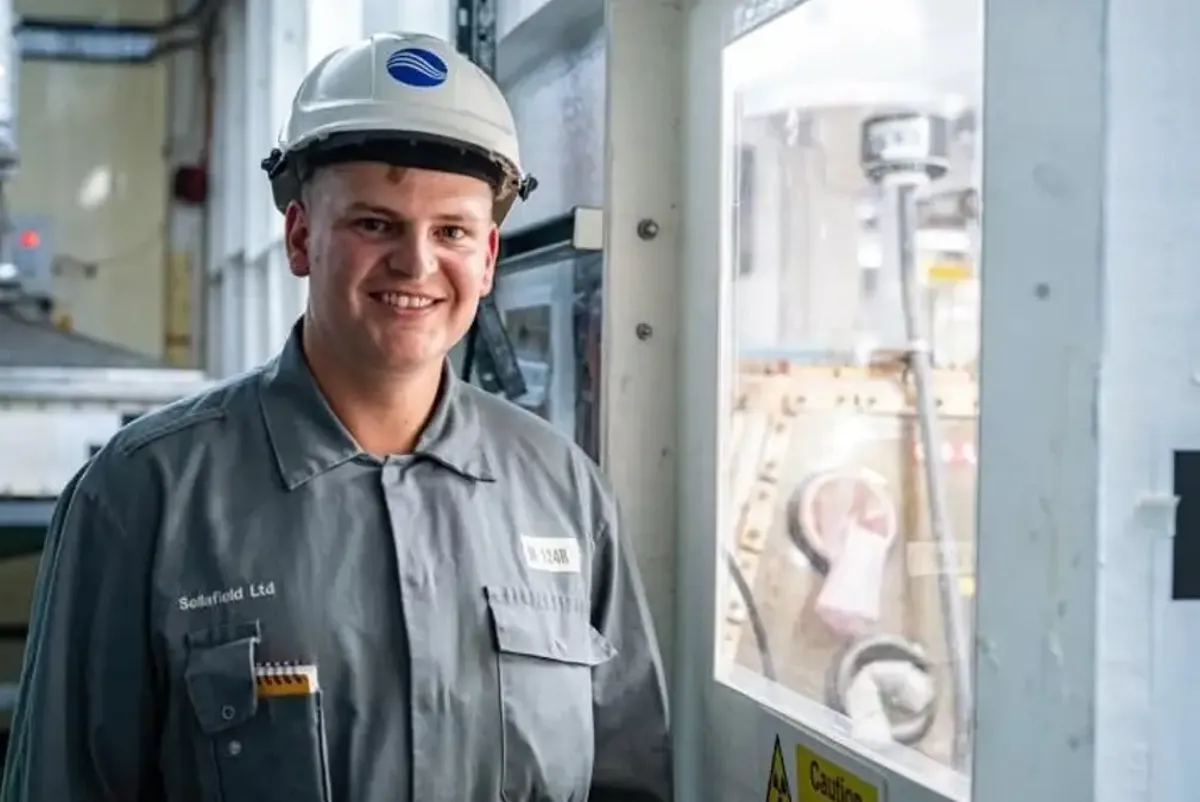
[
  {"x": 382, "y": 211},
  {"x": 471, "y": 216},
  {"x": 460, "y": 217}
]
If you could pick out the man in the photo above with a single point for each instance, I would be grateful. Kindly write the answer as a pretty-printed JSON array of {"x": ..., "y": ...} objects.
[{"x": 347, "y": 576}]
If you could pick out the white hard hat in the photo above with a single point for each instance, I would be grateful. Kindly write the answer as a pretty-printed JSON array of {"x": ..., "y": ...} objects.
[{"x": 404, "y": 99}]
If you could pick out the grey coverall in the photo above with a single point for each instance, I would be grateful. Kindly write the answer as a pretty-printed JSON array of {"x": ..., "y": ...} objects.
[{"x": 474, "y": 620}]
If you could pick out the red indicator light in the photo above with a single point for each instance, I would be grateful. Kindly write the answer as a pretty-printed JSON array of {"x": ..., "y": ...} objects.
[{"x": 30, "y": 239}]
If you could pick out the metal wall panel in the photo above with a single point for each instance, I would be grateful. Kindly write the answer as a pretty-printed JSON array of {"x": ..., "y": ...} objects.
[{"x": 559, "y": 108}]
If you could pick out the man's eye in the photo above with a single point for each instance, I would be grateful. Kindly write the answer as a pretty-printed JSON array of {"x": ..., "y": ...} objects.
[
  {"x": 452, "y": 232},
  {"x": 373, "y": 225}
]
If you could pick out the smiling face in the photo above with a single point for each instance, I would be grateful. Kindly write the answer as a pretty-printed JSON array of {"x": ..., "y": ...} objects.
[{"x": 397, "y": 260}]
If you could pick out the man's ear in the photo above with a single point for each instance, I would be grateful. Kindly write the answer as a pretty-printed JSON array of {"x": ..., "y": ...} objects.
[
  {"x": 296, "y": 239},
  {"x": 493, "y": 253}
]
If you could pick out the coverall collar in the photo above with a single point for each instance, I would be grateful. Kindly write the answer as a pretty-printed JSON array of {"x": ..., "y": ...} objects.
[{"x": 308, "y": 439}]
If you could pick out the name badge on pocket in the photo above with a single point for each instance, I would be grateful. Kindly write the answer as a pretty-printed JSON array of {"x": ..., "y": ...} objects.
[
  {"x": 558, "y": 555},
  {"x": 284, "y": 679}
]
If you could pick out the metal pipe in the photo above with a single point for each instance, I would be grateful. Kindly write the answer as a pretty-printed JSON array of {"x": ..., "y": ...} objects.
[
  {"x": 127, "y": 385},
  {"x": 900, "y": 194}
]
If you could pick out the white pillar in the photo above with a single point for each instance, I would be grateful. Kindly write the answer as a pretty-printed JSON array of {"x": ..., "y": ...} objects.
[
  {"x": 332, "y": 24},
  {"x": 262, "y": 226},
  {"x": 1043, "y": 268},
  {"x": 700, "y": 405},
  {"x": 276, "y": 62},
  {"x": 186, "y": 223},
  {"x": 1147, "y": 695},
  {"x": 263, "y": 55},
  {"x": 1091, "y": 296},
  {"x": 434, "y": 17},
  {"x": 226, "y": 214},
  {"x": 639, "y": 386}
]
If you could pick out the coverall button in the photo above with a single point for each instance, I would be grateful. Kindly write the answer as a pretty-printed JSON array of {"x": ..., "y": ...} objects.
[
  {"x": 227, "y": 713},
  {"x": 234, "y": 748}
]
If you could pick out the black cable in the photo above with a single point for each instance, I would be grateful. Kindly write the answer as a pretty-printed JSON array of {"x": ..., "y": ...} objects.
[
  {"x": 761, "y": 640},
  {"x": 202, "y": 15},
  {"x": 194, "y": 13},
  {"x": 14, "y": 632},
  {"x": 175, "y": 46},
  {"x": 468, "y": 363}
]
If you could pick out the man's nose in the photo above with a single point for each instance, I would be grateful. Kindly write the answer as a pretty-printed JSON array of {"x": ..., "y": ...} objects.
[{"x": 413, "y": 257}]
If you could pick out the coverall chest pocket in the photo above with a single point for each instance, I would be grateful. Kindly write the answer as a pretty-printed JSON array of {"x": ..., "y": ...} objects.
[
  {"x": 253, "y": 747},
  {"x": 545, "y": 650}
]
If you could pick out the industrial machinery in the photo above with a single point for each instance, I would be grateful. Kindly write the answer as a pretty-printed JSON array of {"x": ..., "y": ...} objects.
[
  {"x": 852, "y": 469},
  {"x": 547, "y": 293},
  {"x": 62, "y": 394}
]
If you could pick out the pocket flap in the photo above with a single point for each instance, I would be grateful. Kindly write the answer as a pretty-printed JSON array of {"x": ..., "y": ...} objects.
[
  {"x": 547, "y": 626},
  {"x": 220, "y": 683}
]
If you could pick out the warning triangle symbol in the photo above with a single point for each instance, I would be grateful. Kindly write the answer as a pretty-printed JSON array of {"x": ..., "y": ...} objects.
[{"x": 778, "y": 789}]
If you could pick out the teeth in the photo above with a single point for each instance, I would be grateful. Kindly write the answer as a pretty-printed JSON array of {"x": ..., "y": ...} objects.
[{"x": 404, "y": 301}]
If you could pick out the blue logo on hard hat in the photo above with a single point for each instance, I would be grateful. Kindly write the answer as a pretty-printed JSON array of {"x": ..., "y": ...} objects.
[{"x": 416, "y": 66}]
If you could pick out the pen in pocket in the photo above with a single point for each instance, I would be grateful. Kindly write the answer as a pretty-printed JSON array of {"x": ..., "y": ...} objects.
[{"x": 285, "y": 679}]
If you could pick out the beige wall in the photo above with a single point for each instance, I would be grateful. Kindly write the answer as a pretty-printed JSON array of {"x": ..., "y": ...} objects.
[{"x": 92, "y": 142}]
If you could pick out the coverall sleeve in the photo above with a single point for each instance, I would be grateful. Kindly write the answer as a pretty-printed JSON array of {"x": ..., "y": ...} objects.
[
  {"x": 84, "y": 727},
  {"x": 633, "y": 750}
]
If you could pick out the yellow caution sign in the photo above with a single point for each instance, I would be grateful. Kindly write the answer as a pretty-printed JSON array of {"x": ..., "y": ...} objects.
[
  {"x": 819, "y": 779},
  {"x": 778, "y": 789}
]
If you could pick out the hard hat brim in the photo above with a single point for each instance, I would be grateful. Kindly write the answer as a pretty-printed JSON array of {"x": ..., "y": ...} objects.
[{"x": 288, "y": 171}]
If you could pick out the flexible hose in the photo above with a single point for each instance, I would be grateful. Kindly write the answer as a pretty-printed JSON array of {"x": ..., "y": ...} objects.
[{"x": 761, "y": 640}]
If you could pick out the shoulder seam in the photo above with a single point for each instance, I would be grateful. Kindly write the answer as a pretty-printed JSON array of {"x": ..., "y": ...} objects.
[
  {"x": 106, "y": 508},
  {"x": 170, "y": 427}
]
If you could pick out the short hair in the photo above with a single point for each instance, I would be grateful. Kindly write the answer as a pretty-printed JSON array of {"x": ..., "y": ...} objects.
[{"x": 307, "y": 187}]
